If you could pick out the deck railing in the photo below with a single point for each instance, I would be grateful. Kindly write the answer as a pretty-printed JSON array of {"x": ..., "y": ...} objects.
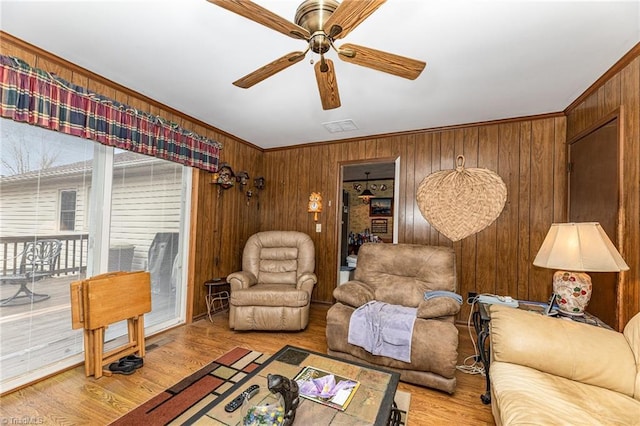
[{"x": 73, "y": 256}]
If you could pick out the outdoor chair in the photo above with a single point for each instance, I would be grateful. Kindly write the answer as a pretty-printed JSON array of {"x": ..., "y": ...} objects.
[{"x": 38, "y": 261}]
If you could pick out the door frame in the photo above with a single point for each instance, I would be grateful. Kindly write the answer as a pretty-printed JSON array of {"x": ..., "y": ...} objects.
[
  {"x": 338, "y": 209},
  {"x": 618, "y": 115}
]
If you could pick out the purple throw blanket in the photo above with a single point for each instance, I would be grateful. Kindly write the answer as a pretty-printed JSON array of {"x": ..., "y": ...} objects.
[{"x": 383, "y": 329}]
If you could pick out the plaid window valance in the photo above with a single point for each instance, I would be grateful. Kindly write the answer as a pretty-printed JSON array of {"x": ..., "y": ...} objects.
[{"x": 37, "y": 97}]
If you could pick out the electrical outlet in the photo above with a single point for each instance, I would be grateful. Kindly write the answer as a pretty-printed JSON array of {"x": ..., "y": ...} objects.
[
  {"x": 470, "y": 296},
  {"x": 318, "y": 227}
]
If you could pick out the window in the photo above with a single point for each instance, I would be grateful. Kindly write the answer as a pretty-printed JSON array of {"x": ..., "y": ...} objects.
[
  {"x": 131, "y": 207},
  {"x": 68, "y": 210}
]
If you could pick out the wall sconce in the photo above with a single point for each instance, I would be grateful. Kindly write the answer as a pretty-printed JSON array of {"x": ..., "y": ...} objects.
[
  {"x": 315, "y": 204},
  {"x": 242, "y": 178},
  {"x": 258, "y": 183},
  {"x": 224, "y": 176}
]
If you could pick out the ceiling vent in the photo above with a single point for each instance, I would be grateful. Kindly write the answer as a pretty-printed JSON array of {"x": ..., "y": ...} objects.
[{"x": 340, "y": 126}]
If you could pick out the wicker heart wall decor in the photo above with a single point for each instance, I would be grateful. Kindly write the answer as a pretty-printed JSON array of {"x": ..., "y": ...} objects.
[{"x": 461, "y": 202}]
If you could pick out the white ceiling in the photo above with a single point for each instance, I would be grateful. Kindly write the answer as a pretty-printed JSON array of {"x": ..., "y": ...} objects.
[{"x": 486, "y": 60}]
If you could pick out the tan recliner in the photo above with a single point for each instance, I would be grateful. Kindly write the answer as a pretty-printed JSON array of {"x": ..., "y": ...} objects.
[
  {"x": 401, "y": 274},
  {"x": 273, "y": 290}
]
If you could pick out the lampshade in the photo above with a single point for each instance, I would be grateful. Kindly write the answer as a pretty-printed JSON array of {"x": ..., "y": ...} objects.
[
  {"x": 579, "y": 247},
  {"x": 366, "y": 193},
  {"x": 574, "y": 249}
]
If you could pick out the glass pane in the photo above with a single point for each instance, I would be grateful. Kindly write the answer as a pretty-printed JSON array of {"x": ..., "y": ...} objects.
[
  {"x": 46, "y": 179},
  {"x": 145, "y": 229},
  {"x": 68, "y": 201},
  {"x": 67, "y": 221},
  {"x": 35, "y": 314}
]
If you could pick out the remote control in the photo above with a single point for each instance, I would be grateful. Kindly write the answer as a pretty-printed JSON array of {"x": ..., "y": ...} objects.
[{"x": 238, "y": 400}]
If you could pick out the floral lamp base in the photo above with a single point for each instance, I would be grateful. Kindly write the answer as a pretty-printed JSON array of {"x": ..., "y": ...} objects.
[{"x": 573, "y": 291}]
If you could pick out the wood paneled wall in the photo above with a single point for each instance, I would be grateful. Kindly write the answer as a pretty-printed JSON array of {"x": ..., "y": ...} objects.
[
  {"x": 222, "y": 220},
  {"x": 618, "y": 91},
  {"x": 219, "y": 224},
  {"x": 529, "y": 154}
]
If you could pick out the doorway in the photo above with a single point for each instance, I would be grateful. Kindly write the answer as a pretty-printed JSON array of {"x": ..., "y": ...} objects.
[
  {"x": 594, "y": 196},
  {"x": 366, "y": 219}
]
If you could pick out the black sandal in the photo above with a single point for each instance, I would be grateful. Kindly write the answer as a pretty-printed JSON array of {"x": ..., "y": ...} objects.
[
  {"x": 134, "y": 360},
  {"x": 122, "y": 368}
]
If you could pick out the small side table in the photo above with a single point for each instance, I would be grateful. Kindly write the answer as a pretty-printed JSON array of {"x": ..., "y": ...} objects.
[
  {"x": 481, "y": 320},
  {"x": 217, "y": 298}
]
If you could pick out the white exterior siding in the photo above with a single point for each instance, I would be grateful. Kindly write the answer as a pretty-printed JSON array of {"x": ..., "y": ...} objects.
[
  {"x": 145, "y": 200},
  {"x": 144, "y": 205},
  {"x": 32, "y": 208}
]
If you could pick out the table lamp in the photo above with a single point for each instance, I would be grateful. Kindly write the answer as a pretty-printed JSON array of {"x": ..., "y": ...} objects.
[{"x": 573, "y": 249}]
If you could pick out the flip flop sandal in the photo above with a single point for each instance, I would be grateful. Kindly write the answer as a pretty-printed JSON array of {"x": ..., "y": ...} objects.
[
  {"x": 122, "y": 368},
  {"x": 134, "y": 360}
]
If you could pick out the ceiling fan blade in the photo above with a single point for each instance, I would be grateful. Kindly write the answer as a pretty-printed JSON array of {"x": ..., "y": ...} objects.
[
  {"x": 259, "y": 14},
  {"x": 349, "y": 15},
  {"x": 270, "y": 69},
  {"x": 382, "y": 61},
  {"x": 327, "y": 84}
]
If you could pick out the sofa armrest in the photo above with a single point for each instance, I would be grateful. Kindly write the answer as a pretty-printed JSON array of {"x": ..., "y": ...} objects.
[
  {"x": 438, "y": 307},
  {"x": 241, "y": 279},
  {"x": 565, "y": 348},
  {"x": 306, "y": 281},
  {"x": 353, "y": 293}
]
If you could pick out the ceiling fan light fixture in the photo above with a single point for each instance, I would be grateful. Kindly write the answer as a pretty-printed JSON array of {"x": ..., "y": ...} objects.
[
  {"x": 319, "y": 43},
  {"x": 320, "y": 23}
]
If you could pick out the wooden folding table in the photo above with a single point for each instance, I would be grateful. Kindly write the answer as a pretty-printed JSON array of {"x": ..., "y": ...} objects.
[{"x": 106, "y": 299}]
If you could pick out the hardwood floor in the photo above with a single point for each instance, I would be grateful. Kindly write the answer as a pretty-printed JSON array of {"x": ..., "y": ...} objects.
[{"x": 71, "y": 398}]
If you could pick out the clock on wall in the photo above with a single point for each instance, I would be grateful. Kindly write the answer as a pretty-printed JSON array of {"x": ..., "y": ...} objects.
[{"x": 315, "y": 204}]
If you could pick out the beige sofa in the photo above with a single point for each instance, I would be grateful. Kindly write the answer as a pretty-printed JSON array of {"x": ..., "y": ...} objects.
[
  {"x": 550, "y": 371},
  {"x": 400, "y": 274},
  {"x": 273, "y": 290}
]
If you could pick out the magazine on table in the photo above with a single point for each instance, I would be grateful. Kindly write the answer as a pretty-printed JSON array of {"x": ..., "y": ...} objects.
[{"x": 326, "y": 388}]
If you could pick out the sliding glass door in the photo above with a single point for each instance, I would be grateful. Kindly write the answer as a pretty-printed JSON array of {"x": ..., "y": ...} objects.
[
  {"x": 145, "y": 230},
  {"x": 110, "y": 210}
]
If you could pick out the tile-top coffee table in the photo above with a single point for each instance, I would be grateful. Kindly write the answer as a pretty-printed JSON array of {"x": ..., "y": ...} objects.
[{"x": 371, "y": 404}]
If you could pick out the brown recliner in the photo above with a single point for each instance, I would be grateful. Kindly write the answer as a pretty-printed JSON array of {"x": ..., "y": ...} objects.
[
  {"x": 273, "y": 290},
  {"x": 401, "y": 274}
]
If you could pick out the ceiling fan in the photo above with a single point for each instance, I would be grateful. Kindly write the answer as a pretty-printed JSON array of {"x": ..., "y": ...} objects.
[{"x": 320, "y": 23}]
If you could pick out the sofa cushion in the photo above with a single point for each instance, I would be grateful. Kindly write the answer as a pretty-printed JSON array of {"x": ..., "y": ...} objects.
[
  {"x": 353, "y": 293},
  {"x": 438, "y": 307},
  {"x": 413, "y": 268},
  {"x": 282, "y": 256},
  {"x": 632, "y": 334},
  {"x": 565, "y": 348},
  {"x": 525, "y": 396},
  {"x": 434, "y": 344},
  {"x": 270, "y": 295}
]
